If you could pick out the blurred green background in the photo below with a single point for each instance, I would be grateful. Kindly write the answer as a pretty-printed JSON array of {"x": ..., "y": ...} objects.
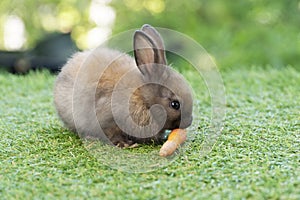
[{"x": 236, "y": 33}]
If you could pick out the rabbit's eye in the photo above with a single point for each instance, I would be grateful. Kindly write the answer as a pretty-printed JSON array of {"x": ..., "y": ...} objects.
[{"x": 175, "y": 105}]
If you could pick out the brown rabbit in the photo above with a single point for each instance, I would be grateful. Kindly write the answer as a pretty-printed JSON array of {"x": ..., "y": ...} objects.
[{"x": 109, "y": 95}]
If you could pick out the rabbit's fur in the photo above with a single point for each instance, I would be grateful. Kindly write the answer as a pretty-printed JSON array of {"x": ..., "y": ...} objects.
[{"x": 97, "y": 90}]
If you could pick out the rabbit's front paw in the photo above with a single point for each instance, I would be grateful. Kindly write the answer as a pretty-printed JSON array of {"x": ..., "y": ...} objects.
[{"x": 125, "y": 144}]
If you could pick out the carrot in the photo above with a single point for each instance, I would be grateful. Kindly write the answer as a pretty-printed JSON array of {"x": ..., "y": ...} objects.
[{"x": 176, "y": 137}]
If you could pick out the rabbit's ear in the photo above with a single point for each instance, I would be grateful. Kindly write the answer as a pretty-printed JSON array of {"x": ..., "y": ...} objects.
[
  {"x": 145, "y": 53},
  {"x": 158, "y": 41}
]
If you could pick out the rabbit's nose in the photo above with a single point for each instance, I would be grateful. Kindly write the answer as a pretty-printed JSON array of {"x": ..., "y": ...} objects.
[{"x": 186, "y": 122}]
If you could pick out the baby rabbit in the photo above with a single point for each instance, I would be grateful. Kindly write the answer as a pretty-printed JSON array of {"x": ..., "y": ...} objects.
[{"x": 108, "y": 95}]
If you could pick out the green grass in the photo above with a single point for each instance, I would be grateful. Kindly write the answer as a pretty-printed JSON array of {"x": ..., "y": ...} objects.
[{"x": 256, "y": 157}]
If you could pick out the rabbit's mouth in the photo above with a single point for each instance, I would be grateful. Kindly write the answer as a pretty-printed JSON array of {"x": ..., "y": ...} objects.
[
  {"x": 186, "y": 122},
  {"x": 179, "y": 123}
]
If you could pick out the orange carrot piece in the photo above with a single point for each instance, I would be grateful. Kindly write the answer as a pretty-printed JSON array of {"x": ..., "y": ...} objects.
[{"x": 176, "y": 137}]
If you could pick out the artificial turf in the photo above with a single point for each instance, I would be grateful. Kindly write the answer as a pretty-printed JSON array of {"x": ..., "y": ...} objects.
[{"x": 257, "y": 155}]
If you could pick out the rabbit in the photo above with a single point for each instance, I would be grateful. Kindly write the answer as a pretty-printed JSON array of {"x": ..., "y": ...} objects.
[{"x": 109, "y": 95}]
